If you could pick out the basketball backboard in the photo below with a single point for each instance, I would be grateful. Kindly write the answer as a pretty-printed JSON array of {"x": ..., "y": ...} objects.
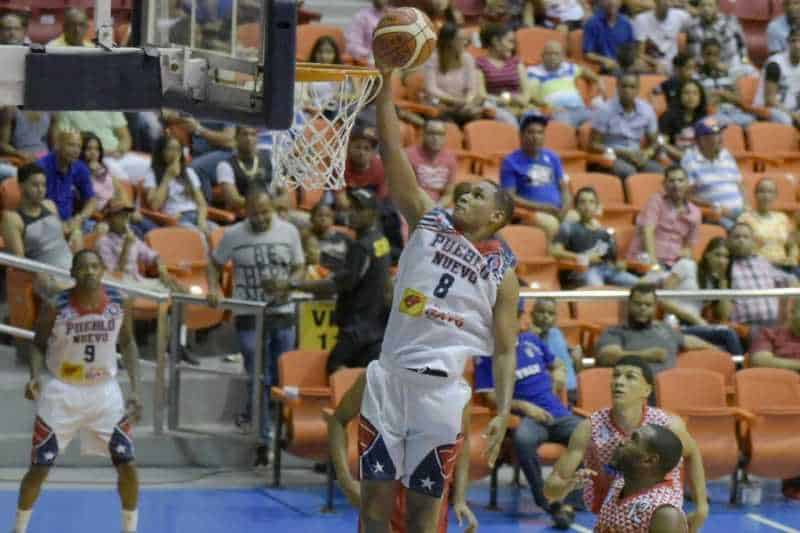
[{"x": 218, "y": 59}]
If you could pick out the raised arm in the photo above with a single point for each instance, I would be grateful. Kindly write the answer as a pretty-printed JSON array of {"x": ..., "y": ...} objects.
[
  {"x": 410, "y": 199},
  {"x": 696, "y": 472},
  {"x": 562, "y": 479}
]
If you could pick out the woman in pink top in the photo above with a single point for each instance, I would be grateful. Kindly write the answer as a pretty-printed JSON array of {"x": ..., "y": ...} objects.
[
  {"x": 502, "y": 72},
  {"x": 451, "y": 79}
]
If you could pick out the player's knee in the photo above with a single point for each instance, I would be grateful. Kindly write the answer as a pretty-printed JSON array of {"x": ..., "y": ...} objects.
[{"x": 120, "y": 446}]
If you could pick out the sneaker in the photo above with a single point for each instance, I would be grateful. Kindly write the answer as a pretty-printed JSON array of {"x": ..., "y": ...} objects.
[
  {"x": 233, "y": 358},
  {"x": 562, "y": 515}
]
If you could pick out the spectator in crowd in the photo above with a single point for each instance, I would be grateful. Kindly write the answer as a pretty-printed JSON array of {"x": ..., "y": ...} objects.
[
  {"x": 552, "y": 85},
  {"x": 535, "y": 178},
  {"x": 452, "y": 81},
  {"x": 266, "y": 253},
  {"x": 311, "y": 250},
  {"x": 112, "y": 129},
  {"x": 657, "y": 32},
  {"x": 713, "y": 173},
  {"x": 503, "y": 73},
  {"x": 564, "y": 16},
  {"x": 677, "y": 122},
  {"x": 668, "y": 224},
  {"x": 173, "y": 188},
  {"x": 543, "y": 324},
  {"x": 360, "y": 286},
  {"x": 643, "y": 336},
  {"x": 751, "y": 271},
  {"x": 323, "y": 95},
  {"x": 24, "y": 134},
  {"x": 333, "y": 245},
  {"x": 780, "y": 83},
  {"x": 69, "y": 182},
  {"x": 543, "y": 417},
  {"x": 779, "y": 346},
  {"x": 591, "y": 245},
  {"x": 604, "y": 33},
  {"x": 34, "y": 230},
  {"x": 684, "y": 69},
  {"x": 12, "y": 30},
  {"x": 779, "y": 28},
  {"x": 711, "y": 274},
  {"x": 442, "y": 12},
  {"x": 123, "y": 252},
  {"x": 76, "y": 25},
  {"x": 772, "y": 230},
  {"x": 104, "y": 184},
  {"x": 627, "y": 128},
  {"x": 363, "y": 168},
  {"x": 359, "y": 33},
  {"x": 245, "y": 169},
  {"x": 726, "y": 30},
  {"x": 434, "y": 164},
  {"x": 722, "y": 91}
]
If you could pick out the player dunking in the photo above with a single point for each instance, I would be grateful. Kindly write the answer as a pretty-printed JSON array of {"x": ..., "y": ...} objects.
[
  {"x": 76, "y": 338},
  {"x": 455, "y": 297},
  {"x": 641, "y": 499}
]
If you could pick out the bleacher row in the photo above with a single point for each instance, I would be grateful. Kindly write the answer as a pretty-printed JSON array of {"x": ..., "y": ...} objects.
[{"x": 742, "y": 421}]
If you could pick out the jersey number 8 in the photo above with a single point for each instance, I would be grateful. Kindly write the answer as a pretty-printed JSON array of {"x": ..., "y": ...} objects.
[{"x": 445, "y": 282}]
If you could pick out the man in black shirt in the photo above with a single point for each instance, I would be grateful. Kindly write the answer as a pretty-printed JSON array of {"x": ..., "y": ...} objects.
[{"x": 361, "y": 287}]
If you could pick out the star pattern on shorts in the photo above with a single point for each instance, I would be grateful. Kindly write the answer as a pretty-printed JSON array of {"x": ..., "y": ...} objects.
[
  {"x": 121, "y": 449},
  {"x": 427, "y": 484},
  {"x": 49, "y": 456},
  {"x": 377, "y": 468}
]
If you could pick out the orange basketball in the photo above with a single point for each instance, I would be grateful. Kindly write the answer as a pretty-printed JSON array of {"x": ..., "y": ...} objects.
[{"x": 403, "y": 39}]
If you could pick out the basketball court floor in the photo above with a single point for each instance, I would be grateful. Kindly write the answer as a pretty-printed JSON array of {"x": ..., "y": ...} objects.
[{"x": 217, "y": 501}]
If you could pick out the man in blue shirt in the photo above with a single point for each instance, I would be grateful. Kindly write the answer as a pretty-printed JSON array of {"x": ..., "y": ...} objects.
[
  {"x": 626, "y": 129},
  {"x": 544, "y": 417},
  {"x": 779, "y": 28},
  {"x": 543, "y": 324},
  {"x": 535, "y": 178},
  {"x": 66, "y": 175},
  {"x": 605, "y": 33}
]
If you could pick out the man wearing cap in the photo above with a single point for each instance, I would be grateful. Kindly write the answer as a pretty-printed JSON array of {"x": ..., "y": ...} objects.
[
  {"x": 626, "y": 129},
  {"x": 780, "y": 82},
  {"x": 266, "y": 253},
  {"x": 535, "y": 178},
  {"x": 363, "y": 168},
  {"x": 122, "y": 252},
  {"x": 713, "y": 173},
  {"x": 360, "y": 286}
]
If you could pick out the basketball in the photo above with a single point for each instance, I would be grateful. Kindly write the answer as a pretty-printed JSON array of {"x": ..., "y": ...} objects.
[{"x": 403, "y": 39}]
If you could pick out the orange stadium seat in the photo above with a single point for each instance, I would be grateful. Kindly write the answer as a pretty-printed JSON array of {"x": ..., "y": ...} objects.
[
  {"x": 493, "y": 140},
  {"x": 780, "y": 141},
  {"x": 786, "y": 186},
  {"x": 603, "y": 313},
  {"x": 641, "y": 187},
  {"x": 300, "y": 428},
  {"x": 594, "y": 390},
  {"x": 9, "y": 194},
  {"x": 705, "y": 233},
  {"x": 698, "y": 397},
  {"x": 713, "y": 360},
  {"x": 534, "y": 263},
  {"x": 308, "y": 34},
  {"x": 563, "y": 139}
]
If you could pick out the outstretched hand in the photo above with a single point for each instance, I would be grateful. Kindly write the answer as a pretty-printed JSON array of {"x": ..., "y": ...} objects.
[
  {"x": 495, "y": 433},
  {"x": 465, "y": 514}
]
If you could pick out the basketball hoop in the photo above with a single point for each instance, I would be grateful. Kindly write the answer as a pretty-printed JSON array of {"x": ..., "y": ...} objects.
[{"x": 311, "y": 154}]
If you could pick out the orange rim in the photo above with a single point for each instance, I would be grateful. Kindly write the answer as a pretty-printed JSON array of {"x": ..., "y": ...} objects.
[{"x": 310, "y": 72}]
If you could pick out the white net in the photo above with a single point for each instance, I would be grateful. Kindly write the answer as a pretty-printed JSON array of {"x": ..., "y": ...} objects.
[{"x": 312, "y": 153}]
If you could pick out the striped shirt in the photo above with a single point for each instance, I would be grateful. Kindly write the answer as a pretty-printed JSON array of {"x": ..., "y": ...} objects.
[
  {"x": 556, "y": 87},
  {"x": 726, "y": 30},
  {"x": 755, "y": 272},
  {"x": 717, "y": 181},
  {"x": 499, "y": 79}
]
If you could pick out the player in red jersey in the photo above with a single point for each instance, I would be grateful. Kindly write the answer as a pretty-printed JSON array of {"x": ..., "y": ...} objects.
[{"x": 642, "y": 499}]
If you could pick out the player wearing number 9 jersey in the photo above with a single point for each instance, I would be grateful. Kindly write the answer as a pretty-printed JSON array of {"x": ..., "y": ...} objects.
[
  {"x": 455, "y": 297},
  {"x": 79, "y": 335}
]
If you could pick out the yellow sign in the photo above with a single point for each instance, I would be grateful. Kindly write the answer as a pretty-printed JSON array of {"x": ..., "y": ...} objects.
[
  {"x": 316, "y": 330},
  {"x": 71, "y": 372},
  {"x": 382, "y": 247},
  {"x": 413, "y": 302}
]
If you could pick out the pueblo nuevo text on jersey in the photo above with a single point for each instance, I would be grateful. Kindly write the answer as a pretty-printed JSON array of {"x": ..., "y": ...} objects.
[
  {"x": 457, "y": 258},
  {"x": 93, "y": 331}
]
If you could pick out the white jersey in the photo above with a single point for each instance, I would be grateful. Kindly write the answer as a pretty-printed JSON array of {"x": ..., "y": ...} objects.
[
  {"x": 444, "y": 297},
  {"x": 82, "y": 349}
]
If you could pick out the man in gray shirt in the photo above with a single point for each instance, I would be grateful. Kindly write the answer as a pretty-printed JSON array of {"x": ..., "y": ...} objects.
[
  {"x": 265, "y": 251},
  {"x": 654, "y": 341}
]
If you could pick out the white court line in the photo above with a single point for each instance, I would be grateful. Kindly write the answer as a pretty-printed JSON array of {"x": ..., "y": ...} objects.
[
  {"x": 580, "y": 529},
  {"x": 771, "y": 523}
]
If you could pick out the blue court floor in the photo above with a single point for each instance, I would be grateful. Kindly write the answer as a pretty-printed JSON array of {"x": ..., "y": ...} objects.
[{"x": 297, "y": 509}]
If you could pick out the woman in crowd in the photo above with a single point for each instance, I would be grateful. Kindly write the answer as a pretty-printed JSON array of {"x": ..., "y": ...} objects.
[
  {"x": 713, "y": 272},
  {"x": 773, "y": 231},
  {"x": 173, "y": 188},
  {"x": 677, "y": 121},
  {"x": 502, "y": 72},
  {"x": 452, "y": 81}
]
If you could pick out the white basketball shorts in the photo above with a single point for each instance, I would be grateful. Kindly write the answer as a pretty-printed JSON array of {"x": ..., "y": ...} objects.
[
  {"x": 96, "y": 411},
  {"x": 409, "y": 427}
]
